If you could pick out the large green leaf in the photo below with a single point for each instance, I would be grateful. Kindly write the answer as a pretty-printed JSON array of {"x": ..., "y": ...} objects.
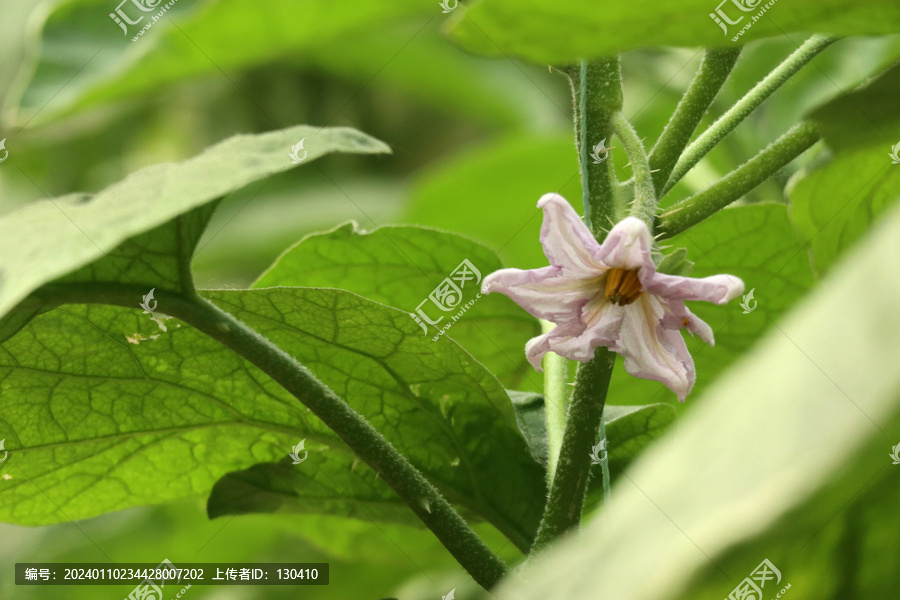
[
  {"x": 564, "y": 32},
  {"x": 755, "y": 243},
  {"x": 91, "y": 420},
  {"x": 50, "y": 239},
  {"x": 430, "y": 399},
  {"x": 777, "y": 462},
  {"x": 834, "y": 204},
  {"x": 86, "y": 54},
  {"x": 401, "y": 266}
]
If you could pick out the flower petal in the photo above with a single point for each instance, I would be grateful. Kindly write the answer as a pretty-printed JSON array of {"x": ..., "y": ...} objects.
[
  {"x": 653, "y": 352},
  {"x": 599, "y": 326},
  {"x": 538, "y": 346},
  {"x": 716, "y": 288},
  {"x": 628, "y": 246},
  {"x": 566, "y": 240},
  {"x": 679, "y": 316},
  {"x": 546, "y": 293}
]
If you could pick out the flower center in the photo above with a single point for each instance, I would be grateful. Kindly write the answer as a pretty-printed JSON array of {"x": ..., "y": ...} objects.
[{"x": 622, "y": 287}]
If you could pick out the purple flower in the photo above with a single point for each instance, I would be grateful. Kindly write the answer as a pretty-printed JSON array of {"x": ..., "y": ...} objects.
[{"x": 610, "y": 295}]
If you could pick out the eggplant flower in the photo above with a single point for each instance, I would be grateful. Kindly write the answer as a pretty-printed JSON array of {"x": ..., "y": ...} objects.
[{"x": 610, "y": 295}]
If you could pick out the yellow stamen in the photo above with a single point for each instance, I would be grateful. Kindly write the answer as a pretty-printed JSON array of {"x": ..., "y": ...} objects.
[{"x": 622, "y": 287}]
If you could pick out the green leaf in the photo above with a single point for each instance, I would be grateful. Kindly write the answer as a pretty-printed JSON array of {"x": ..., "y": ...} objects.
[
  {"x": 431, "y": 400},
  {"x": 778, "y": 461},
  {"x": 87, "y": 55},
  {"x": 401, "y": 266},
  {"x": 757, "y": 244},
  {"x": 530, "y": 417},
  {"x": 49, "y": 240},
  {"x": 94, "y": 421},
  {"x": 676, "y": 263},
  {"x": 834, "y": 204},
  {"x": 564, "y": 32},
  {"x": 867, "y": 116},
  {"x": 629, "y": 429},
  {"x": 329, "y": 484}
]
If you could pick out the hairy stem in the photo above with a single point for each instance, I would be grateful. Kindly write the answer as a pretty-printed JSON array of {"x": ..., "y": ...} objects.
[
  {"x": 644, "y": 204},
  {"x": 737, "y": 113},
  {"x": 598, "y": 100},
  {"x": 426, "y": 502},
  {"x": 733, "y": 186},
  {"x": 714, "y": 70},
  {"x": 598, "y": 107},
  {"x": 556, "y": 402},
  {"x": 566, "y": 499}
]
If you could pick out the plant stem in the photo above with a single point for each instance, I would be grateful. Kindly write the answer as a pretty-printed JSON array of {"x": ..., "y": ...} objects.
[
  {"x": 758, "y": 169},
  {"x": 737, "y": 113},
  {"x": 426, "y": 502},
  {"x": 556, "y": 402},
  {"x": 567, "y": 492},
  {"x": 598, "y": 106},
  {"x": 598, "y": 100},
  {"x": 714, "y": 70},
  {"x": 644, "y": 204}
]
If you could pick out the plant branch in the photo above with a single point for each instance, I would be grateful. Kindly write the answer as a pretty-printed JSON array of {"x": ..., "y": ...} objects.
[
  {"x": 644, "y": 204},
  {"x": 566, "y": 500},
  {"x": 714, "y": 70},
  {"x": 426, "y": 502},
  {"x": 598, "y": 100},
  {"x": 733, "y": 186},
  {"x": 737, "y": 113}
]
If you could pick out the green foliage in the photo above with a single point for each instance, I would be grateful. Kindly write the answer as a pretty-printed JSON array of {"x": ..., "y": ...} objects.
[
  {"x": 184, "y": 45},
  {"x": 788, "y": 460},
  {"x": 836, "y": 203},
  {"x": 430, "y": 399},
  {"x": 103, "y": 410},
  {"x": 401, "y": 266},
  {"x": 565, "y": 32},
  {"x": 48, "y": 240}
]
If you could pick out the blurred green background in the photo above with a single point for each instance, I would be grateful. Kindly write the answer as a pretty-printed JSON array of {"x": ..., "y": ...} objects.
[{"x": 475, "y": 142}]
